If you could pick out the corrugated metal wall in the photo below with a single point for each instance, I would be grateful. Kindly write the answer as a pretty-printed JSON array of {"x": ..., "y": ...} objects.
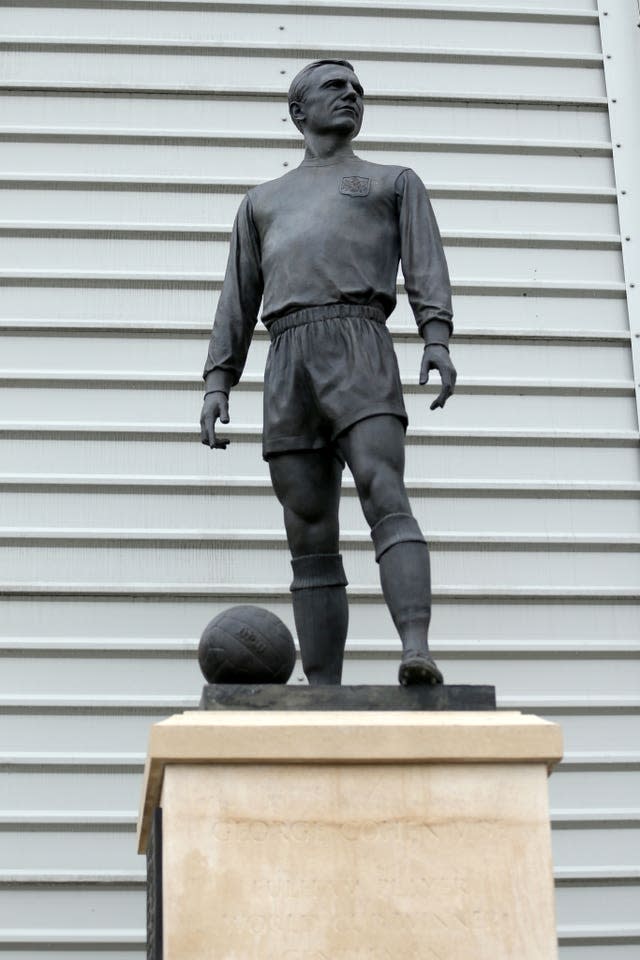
[{"x": 129, "y": 132}]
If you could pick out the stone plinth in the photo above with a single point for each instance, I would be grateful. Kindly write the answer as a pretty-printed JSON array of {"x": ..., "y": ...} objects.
[{"x": 353, "y": 835}]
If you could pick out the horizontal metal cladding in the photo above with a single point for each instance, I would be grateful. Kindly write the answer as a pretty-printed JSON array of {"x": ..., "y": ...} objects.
[
  {"x": 60, "y": 210},
  {"x": 483, "y": 404},
  {"x": 551, "y": 165},
  {"x": 535, "y": 455},
  {"x": 167, "y": 619},
  {"x": 553, "y": 27},
  {"x": 582, "y": 11},
  {"x": 130, "y": 132},
  {"x": 61, "y": 898},
  {"x": 559, "y": 673},
  {"x": 186, "y": 557},
  {"x": 112, "y": 728},
  {"x": 70, "y": 902},
  {"x": 193, "y": 111},
  {"x": 451, "y": 71},
  {"x": 127, "y": 945},
  {"x": 555, "y": 260},
  {"x": 146, "y": 311},
  {"x": 596, "y": 509},
  {"x": 94, "y": 850}
]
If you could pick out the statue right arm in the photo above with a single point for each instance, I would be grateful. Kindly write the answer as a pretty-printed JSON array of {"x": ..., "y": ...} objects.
[{"x": 234, "y": 322}]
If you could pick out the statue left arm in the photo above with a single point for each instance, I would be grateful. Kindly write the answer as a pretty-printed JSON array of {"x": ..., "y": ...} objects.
[
  {"x": 436, "y": 357},
  {"x": 426, "y": 280}
]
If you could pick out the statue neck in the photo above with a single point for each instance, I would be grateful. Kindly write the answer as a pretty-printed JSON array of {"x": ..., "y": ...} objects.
[{"x": 325, "y": 146}]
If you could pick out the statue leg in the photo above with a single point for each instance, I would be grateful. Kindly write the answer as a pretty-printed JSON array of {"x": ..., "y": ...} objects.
[
  {"x": 307, "y": 485},
  {"x": 374, "y": 450}
]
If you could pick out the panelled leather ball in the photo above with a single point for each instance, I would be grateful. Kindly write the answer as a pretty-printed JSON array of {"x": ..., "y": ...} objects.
[{"x": 246, "y": 644}]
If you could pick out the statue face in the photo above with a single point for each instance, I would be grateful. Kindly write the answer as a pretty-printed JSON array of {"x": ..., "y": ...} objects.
[{"x": 333, "y": 102}]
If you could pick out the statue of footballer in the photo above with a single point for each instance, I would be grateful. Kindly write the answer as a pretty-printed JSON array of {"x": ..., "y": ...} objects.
[{"x": 320, "y": 248}]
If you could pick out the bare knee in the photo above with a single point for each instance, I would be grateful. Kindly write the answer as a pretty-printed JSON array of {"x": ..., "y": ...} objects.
[{"x": 311, "y": 530}]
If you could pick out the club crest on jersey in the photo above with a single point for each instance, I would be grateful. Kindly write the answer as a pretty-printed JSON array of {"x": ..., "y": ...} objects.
[{"x": 355, "y": 186}]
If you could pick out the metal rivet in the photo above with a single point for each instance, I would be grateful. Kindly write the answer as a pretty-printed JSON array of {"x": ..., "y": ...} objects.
[
  {"x": 632, "y": 285},
  {"x": 281, "y": 28},
  {"x": 623, "y": 191},
  {"x": 618, "y": 144},
  {"x": 285, "y": 164},
  {"x": 283, "y": 71},
  {"x": 627, "y": 238},
  {"x": 608, "y": 56},
  {"x": 614, "y": 100}
]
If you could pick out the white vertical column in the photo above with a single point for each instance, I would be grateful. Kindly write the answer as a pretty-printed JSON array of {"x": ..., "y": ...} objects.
[{"x": 620, "y": 32}]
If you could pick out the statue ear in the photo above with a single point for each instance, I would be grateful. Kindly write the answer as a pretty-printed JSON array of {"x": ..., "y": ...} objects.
[{"x": 296, "y": 112}]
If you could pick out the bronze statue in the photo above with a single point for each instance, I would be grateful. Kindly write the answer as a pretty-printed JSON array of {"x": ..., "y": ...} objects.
[{"x": 320, "y": 247}]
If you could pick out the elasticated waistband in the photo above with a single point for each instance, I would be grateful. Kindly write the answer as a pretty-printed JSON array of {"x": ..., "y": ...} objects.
[{"x": 334, "y": 310}]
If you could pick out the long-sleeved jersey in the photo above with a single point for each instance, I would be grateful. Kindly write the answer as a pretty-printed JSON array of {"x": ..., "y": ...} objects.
[{"x": 330, "y": 231}]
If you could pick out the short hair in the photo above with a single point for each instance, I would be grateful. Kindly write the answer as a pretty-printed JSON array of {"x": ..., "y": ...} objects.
[{"x": 300, "y": 82}]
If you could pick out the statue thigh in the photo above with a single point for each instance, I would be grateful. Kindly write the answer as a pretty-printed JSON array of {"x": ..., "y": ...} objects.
[
  {"x": 374, "y": 451},
  {"x": 308, "y": 482}
]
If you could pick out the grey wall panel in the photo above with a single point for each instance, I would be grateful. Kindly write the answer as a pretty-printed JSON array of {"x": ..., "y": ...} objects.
[
  {"x": 259, "y": 27},
  {"x": 60, "y": 951},
  {"x": 414, "y": 115},
  {"x": 57, "y": 908},
  {"x": 621, "y": 900},
  {"x": 54, "y": 207},
  {"x": 164, "y": 676},
  {"x": 88, "y": 847},
  {"x": 130, "y": 134},
  {"x": 77, "y": 732},
  {"x": 162, "y": 65},
  {"x": 51, "y": 354},
  {"x": 592, "y": 791},
  {"x": 106, "y": 789},
  {"x": 74, "y": 851},
  {"x": 181, "y": 557},
  {"x": 580, "y": 457},
  {"x": 598, "y": 847},
  {"x": 128, "y": 618},
  {"x": 597, "y": 512},
  {"x": 109, "y": 787},
  {"x": 151, "y": 307},
  {"x": 118, "y": 732},
  {"x": 568, "y": 164},
  {"x": 597, "y": 951},
  {"x": 473, "y": 411},
  {"x": 479, "y": 259}
]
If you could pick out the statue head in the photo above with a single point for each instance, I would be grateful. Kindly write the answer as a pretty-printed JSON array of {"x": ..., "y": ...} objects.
[{"x": 327, "y": 97}]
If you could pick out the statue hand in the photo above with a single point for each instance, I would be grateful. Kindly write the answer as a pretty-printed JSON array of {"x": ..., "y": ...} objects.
[
  {"x": 436, "y": 357},
  {"x": 215, "y": 406}
]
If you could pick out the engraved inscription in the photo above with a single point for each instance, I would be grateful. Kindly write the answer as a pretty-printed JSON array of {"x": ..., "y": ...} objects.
[{"x": 368, "y": 888}]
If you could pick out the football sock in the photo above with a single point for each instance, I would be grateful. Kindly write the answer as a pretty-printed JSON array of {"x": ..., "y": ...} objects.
[
  {"x": 321, "y": 614},
  {"x": 405, "y": 577}
]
